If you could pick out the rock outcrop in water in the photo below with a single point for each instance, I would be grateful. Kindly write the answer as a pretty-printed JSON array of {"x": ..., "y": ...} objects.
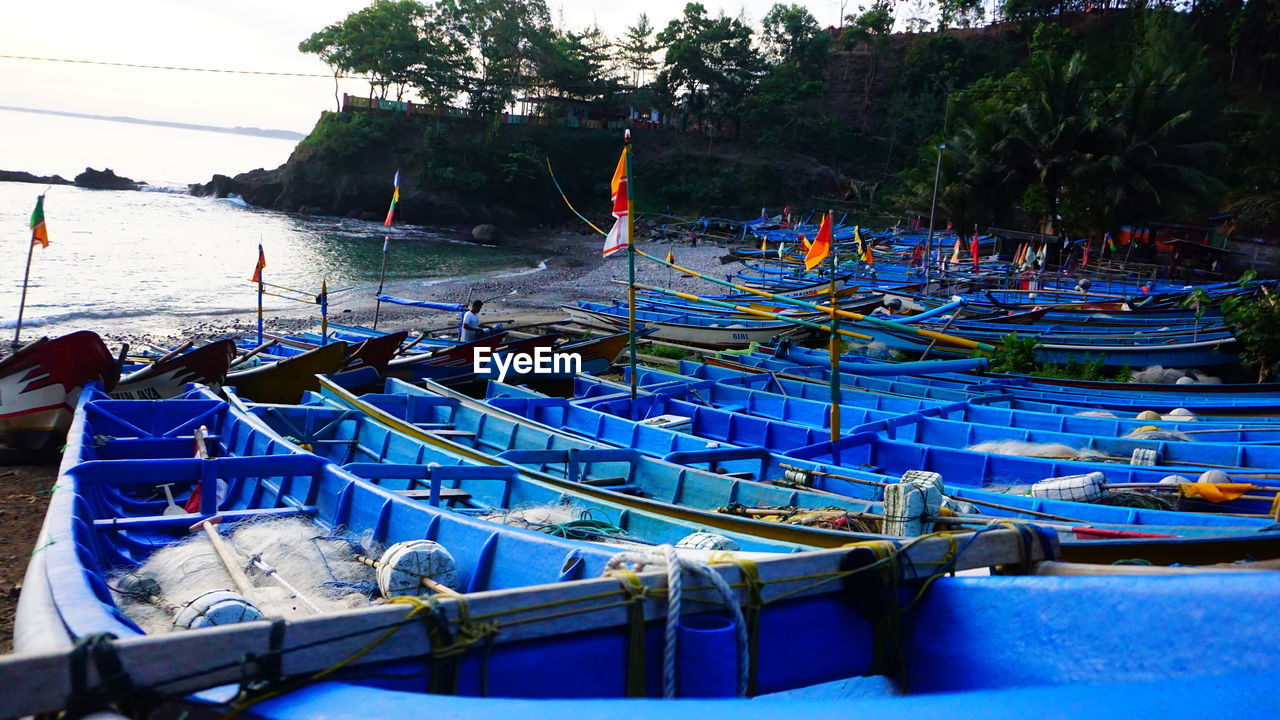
[
  {"x": 26, "y": 177},
  {"x": 105, "y": 180},
  {"x": 259, "y": 187}
]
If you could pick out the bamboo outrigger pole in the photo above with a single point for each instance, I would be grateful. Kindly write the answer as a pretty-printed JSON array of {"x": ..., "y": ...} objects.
[
  {"x": 754, "y": 311},
  {"x": 857, "y": 317},
  {"x": 22, "y": 304}
]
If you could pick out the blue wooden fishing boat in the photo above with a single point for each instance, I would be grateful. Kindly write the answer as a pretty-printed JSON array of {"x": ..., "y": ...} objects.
[
  {"x": 691, "y": 329},
  {"x": 624, "y": 420},
  {"x": 768, "y": 395}
]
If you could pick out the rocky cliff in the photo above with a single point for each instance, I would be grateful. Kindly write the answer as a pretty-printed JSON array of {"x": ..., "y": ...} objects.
[{"x": 465, "y": 171}]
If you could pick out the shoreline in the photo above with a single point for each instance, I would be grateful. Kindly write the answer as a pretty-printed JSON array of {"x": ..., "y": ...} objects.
[{"x": 520, "y": 296}]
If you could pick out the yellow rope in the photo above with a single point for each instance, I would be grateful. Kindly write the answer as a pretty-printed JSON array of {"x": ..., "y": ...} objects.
[{"x": 419, "y": 608}]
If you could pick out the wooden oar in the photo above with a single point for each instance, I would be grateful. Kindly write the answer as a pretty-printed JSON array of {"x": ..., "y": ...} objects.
[
  {"x": 243, "y": 584},
  {"x": 170, "y": 353},
  {"x": 252, "y": 353},
  {"x": 223, "y": 552}
]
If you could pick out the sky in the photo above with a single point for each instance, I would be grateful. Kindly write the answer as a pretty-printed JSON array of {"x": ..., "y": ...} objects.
[{"x": 255, "y": 35}]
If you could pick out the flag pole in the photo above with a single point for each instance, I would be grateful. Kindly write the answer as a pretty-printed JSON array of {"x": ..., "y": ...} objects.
[
  {"x": 260, "y": 291},
  {"x": 324, "y": 311},
  {"x": 631, "y": 267},
  {"x": 22, "y": 304},
  {"x": 835, "y": 353},
  {"x": 377, "y": 310},
  {"x": 933, "y": 208}
]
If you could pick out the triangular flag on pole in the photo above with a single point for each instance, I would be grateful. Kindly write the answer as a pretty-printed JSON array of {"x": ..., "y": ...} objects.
[
  {"x": 671, "y": 256},
  {"x": 262, "y": 262},
  {"x": 763, "y": 245},
  {"x": 866, "y": 254},
  {"x": 395, "y": 198},
  {"x": 39, "y": 233},
  {"x": 617, "y": 238},
  {"x": 973, "y": 250},
  {"x": 1088, "y": 243},
  {"x": 955, "y": 253},
  {"x": 821, "y": 246}
]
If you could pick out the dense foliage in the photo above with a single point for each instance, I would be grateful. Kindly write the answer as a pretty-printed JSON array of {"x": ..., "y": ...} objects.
[
  {"x": 1255, "y": 322},
  {"x": 1079, "y": 116}
]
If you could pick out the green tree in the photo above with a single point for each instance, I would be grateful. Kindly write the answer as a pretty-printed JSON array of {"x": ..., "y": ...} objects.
[
  {"x": 395, "y": 44},
  {"x": 507, "y": 39},
  {"x": 635, "y": 52},
  {"x": 791, "y": 35},
  {"x": 872, "y": 30},
  {"x": 709, "y": 68}
]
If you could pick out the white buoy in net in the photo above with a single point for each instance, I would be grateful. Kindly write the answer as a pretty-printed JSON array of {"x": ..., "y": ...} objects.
[
  {"x": 1214, "y": 476},
  {"x": 1080, "y": 488},
  {"x": 216, "y": 607},
  {"x": 1149, "y": 415},
  {"x": 1144, "y": 456},
  {"x": 1174, "y": 479},
  {"x": 1184, "y": 380},
  {"x": 706, "y": 541},
  {"x": 405, "y": 565},
  {"x": 1182, "y": 414}
]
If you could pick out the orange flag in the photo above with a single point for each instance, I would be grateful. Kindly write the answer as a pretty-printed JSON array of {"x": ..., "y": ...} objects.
[
  {"x": 1215, "y": 492},
  {"x": 821, "y": 246}
]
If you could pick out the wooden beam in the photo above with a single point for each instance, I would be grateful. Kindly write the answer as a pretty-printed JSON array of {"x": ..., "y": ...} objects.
[{"x": 213, "y": 656}]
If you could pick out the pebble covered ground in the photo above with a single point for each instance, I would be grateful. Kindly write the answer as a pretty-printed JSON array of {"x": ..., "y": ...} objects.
[{"x": 575, "y": 272}]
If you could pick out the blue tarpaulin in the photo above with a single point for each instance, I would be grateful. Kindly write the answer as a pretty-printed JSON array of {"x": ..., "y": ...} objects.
[{"x": 448, "y": 307}]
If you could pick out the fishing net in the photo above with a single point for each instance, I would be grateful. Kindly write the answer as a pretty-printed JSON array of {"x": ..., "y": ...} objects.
[
  {"x": 1097, "y": 414},
  {"x": 1151, "y": 432},
  {"x": 321, "y": 565},
  {"x": 1141, "y": 501},
  {"x": 875, "y": 349},
  {"x": 1171, "y": 376},
  {"x": 564, "y": 520},
  {"x": 1028, "y": 449}
]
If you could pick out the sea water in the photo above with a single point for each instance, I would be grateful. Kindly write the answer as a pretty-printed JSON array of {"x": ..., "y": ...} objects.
[{"x": 158, "y": 260}]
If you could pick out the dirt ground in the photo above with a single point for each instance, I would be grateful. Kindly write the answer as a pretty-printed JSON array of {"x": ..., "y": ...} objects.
[{"x": 24, "y": 495}]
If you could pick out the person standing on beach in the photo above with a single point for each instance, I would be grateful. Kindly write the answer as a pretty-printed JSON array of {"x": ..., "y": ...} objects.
[{"x": 471, "y": 329}]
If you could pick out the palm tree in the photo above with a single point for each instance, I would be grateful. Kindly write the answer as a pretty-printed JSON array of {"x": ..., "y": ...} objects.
[
  {"x": 1047, "y": 132},
  {"x": 1151, "y": 152}
]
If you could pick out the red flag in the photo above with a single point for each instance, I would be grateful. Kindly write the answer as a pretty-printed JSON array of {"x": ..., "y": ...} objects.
[
  {"x": 821, "y": 246},
  {"x": 1088, "y": 243},
  {"x": 973, "y": 250},
  {"x": 617, "y": 237}
]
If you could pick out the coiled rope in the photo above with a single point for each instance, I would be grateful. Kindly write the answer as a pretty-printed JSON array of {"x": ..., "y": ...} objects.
[{"x": 668, "y": 556}]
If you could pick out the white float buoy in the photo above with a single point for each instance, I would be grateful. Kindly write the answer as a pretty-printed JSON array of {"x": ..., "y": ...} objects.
[
  {"x": 216, "y": 607},
  {"x": 1214, "y": 476},
  {"x": 706, "y": 541},
  {"x": 405, "y": 565}
]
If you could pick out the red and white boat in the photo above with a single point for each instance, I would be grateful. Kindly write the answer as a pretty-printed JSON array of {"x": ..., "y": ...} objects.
[{"x": 40, "y": 384}]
